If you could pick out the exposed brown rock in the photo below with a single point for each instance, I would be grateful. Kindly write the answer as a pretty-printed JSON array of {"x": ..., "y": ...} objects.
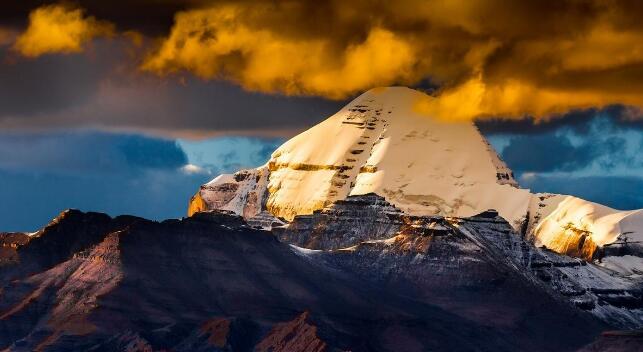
[
  {"x": 9, "y": 244},
  {"x": 272, "y": 166},
  {"x": 217, "y": 331},
  {"x": 297, "y": 335},
  {"x": 225, "y": 193},
  {"x": 79, "y": 282},
  {"x": 13, "y": 239}
]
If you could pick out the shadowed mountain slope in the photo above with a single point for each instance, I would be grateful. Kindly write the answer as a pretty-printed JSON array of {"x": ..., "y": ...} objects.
[{"x": 212, "y": 283}]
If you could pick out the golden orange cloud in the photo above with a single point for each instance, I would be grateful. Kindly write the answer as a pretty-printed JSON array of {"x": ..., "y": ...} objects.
[
  {"x": 490, "y": 57},
  {"x": 517, "y": 99},
  {"x": 218, "y": 42},
  {"x": 59, "y": 29}
]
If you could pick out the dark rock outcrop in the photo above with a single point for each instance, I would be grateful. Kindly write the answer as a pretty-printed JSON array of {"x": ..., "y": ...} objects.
[
  {"x": 344, "y": 223},
  {"x": 70, "y": 232},
  {"x": 615, "y": 299},
  {"x": 450, "y": 254}
]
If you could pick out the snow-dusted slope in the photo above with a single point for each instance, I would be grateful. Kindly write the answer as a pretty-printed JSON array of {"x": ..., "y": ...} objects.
[
  {"x": 380, "y": 143},
  {"x": 577, "y": 227}
]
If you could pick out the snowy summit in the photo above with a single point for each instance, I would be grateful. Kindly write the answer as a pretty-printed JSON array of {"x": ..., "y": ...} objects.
[{"x": 381, "y": 142}]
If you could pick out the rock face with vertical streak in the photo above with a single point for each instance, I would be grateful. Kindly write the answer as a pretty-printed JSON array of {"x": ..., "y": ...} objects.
[{"x": 579, "y": 228}]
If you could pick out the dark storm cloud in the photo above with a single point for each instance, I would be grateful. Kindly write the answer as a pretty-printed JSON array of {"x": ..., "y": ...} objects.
[
  {"x": 550, "y": 152},
  {"x": 614, "y": 191},
  {"x": 88, "y": 153},
  {"x": 540, "y": 153},
  {"x": 30, "y": 199},
  {"x": 490, "y": 58},
  {"x": 197, "y": 105},
  {"x": 152, "y": 17},
  {"x": 41, "y": 175},
  {"x": 500, "y": 58},
  {"x": 531, "y": 125},
  {"x": 220, "y": 106},
  {"x": 620, "y": 116},
  {"x": 50, "y": 83},
  {"x": 149, "y": 153},
  {"x": 99, "y": 88}
]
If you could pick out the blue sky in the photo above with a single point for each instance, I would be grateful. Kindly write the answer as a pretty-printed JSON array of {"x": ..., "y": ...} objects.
[
  {"x": 42, "y": 174},
  {"x": 228, "y": 154}
]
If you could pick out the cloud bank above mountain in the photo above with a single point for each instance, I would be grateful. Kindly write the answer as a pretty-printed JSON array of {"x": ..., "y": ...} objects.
[{"x": 507, "y": 59}]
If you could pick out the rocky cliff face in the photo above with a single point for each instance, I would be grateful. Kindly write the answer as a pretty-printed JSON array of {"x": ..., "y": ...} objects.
[
  {"x": 391, "y": 244},
  {"x": 244, "y": 193},
  {"x": 608, "y": 294},
  {"x": 343, "y": 224}
]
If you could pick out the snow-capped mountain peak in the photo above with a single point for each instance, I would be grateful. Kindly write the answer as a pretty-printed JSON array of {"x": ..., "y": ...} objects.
[{"x": 382, "y": 142}]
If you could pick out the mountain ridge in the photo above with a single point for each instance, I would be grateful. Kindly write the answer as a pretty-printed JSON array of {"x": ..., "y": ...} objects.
[{"x": 211, "y": 282}]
